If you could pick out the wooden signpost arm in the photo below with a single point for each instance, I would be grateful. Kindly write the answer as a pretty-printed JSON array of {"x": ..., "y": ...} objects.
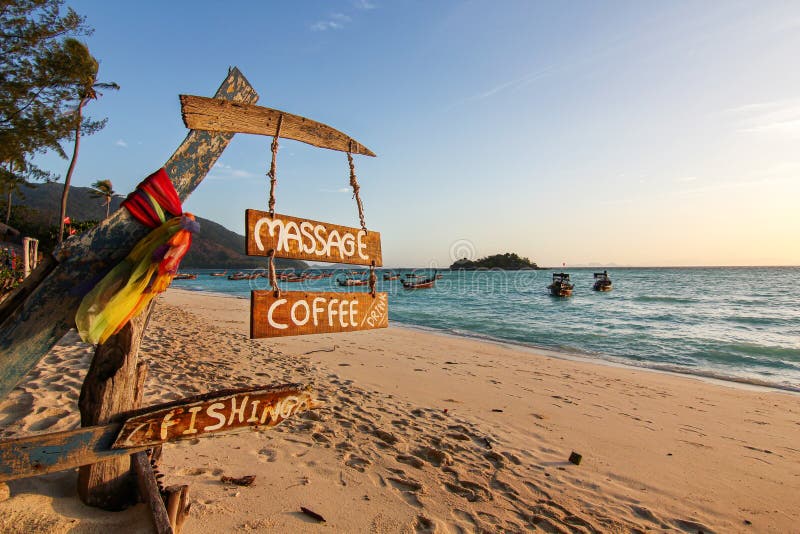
[
  {"x": 34, "y": 323},
  {"x": 201, "y": 113}
]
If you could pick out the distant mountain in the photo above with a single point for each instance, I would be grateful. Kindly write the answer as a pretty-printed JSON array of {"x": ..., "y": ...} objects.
[{"x": 36, "y": 213}]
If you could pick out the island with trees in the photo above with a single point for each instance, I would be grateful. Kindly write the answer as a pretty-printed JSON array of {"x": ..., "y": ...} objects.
[{"x": 508, "y": 262}]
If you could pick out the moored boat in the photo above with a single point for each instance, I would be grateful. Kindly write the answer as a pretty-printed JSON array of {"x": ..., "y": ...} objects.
[
  {"x": 351, "y": 282},
  {"x": 185, "y": 276},
  {"x": 602, "y": 282},
  {"x": 561, "y": 286},
  {"x": 223, "y": 273},
  {"x": 390, "y": 276},
  {"x": 413, "y": 281}
]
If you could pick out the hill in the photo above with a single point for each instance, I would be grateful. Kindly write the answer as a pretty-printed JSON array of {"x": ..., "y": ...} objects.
[
  {"x": 35, "y": 213},
  {"x": 508, "y": 261}
]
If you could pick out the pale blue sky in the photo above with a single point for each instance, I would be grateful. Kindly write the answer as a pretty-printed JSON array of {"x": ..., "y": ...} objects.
[{"x": 638, "y": 133}]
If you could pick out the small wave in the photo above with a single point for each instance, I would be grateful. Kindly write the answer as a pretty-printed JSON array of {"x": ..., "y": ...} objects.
[
  {"x": 753, "y": 320},
  {"x": 675, "y": 300}
]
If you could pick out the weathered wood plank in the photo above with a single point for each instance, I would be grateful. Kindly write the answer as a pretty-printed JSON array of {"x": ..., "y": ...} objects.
[
  {"x": 201, "y": 113},
  {"x": 219, "y": 414},
  {"x": 295, "y": 313},
  {"x": 304, "y": 239},
  {"x": 148, "y": 489},
  {"x": 47, "y": 453},
  {"x": 177, "y": 498},
  {"x": 46, "y": 310}
]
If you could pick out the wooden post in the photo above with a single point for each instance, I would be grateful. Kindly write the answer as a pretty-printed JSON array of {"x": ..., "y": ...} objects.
[
  {"x": 26, "y": 256},
  {"x": 113, "y": 385},
  {"x": 34, "y": 253},
  {"x": 148, "y": 489},
  {"x": 177, "y": 506}
]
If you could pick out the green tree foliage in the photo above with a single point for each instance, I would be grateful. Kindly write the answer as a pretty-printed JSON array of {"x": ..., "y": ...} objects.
[
  {"x": 508, "y": 261},
  {"x": 47, "y": 77},
  {"x": 103, "y": 189},
  {"x": 36, "y": 77}
]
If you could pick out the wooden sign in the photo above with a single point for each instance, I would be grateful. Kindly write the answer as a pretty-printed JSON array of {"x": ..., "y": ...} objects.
[
  {"x": 222, "y": 411},
  {"x": 215, "y": 414},
  {"x": 218, "y": 115},
  {"x": 295, "y": 313},
  {"x": 301, "y": 239}
]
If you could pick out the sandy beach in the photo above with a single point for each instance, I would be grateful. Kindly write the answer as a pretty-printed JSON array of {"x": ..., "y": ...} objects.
[{"x": 423, "y": 432}]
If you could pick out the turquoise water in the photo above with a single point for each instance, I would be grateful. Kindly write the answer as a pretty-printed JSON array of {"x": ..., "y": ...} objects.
[{"x": 739, "y": 324}]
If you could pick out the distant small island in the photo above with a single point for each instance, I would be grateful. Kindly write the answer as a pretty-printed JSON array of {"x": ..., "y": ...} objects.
[{"x": 508, "y": 261}]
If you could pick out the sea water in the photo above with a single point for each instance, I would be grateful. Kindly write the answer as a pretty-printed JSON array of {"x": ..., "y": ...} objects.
[{"x": 740, "y": 324}]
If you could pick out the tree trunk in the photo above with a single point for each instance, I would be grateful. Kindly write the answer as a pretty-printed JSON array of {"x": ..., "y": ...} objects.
[
  {"x": 8, "y": 208},
  {"x": 70, "y": 170},
  {"x": 108, "y": 205},
  {"x": 113, "y": 385}
]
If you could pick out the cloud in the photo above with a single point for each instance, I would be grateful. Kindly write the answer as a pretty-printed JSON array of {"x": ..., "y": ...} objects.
[
  {"x": 685, "y": 179},
  {"x": 777, "y": 117},
  {"x": 221, "y": 171},
  {"x": 336, "y": 21},
  {"x": 363, "y": 4},
  {"x": 121, "y": 143},
  {"x": 514, "y": 84}
]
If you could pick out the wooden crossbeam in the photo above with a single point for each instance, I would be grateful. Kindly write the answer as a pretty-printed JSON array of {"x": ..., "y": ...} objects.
[
  {"x": 43, "y": 309},
  {"x": 213, "y": 114}
]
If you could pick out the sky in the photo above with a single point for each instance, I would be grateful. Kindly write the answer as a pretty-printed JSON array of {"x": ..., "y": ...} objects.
[{"x": 635, "y": 133}]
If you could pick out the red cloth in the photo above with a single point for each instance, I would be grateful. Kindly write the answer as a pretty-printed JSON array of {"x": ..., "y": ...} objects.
[{"x": 160, "y": 188}]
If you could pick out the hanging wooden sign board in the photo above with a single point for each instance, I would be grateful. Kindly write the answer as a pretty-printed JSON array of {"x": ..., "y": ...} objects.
[
  {"x": 303, "y": 239},
  {"x": 295, "y": 313}
]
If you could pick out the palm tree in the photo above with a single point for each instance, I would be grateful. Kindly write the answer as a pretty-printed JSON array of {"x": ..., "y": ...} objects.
[
  {"x": 103, "y": 189},
  {"x": 85, "y": 69}
]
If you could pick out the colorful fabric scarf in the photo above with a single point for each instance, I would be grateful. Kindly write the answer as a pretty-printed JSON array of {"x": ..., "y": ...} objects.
[{"x": 149, "y": 268}]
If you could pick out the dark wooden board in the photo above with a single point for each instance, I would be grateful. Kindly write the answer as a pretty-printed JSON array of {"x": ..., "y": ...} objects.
[
  {"x": 304, "y": 239},
  {"x": 45, "y": 307},
  {"x": 272, "y": 316},
  {"x": 214, "y": 114},
  {"x": 47, "y": 453},
  {"x": 219, "y": 414}
]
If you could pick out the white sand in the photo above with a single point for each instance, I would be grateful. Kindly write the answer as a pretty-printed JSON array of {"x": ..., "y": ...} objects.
[{"x": 412, "y": 437}]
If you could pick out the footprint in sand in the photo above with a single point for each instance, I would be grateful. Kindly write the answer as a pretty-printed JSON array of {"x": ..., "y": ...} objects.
[
  {"x": 268, "y": 454},
  {"x": 410, "y": 489},
  {"x": 433, "y": 456},
  {"x": 357, "y": 462},
  {"x": 471, "y": 491}
]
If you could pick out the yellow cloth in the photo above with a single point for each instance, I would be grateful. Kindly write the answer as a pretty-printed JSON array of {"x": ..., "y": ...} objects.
[{"x": 132, "y": 284}]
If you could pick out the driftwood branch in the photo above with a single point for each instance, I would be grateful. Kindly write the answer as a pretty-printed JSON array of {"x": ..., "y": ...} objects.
[{"x": 216, "y": 115}]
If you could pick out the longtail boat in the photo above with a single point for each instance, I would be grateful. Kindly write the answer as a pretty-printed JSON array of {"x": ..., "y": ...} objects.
[
  {"x": 602, "y": 282},
  {"x": 351, "y": 282},
  {"x": 413, "y": 283},
  {"x": 561, "y": 287}
]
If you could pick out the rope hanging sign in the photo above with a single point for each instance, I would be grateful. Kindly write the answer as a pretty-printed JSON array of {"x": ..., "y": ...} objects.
[{"x": 286, "y": 313}]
